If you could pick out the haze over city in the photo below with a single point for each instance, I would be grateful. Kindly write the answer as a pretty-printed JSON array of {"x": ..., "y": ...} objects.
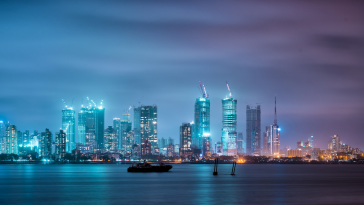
[{"x": 157, "y": 52}]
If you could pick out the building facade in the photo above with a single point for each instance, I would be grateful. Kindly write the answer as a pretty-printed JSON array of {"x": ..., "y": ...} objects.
[
  {"x": 185, "y": 138},
  {"x": 146, "y": 122},
  {"x": 60, "y": 144},
  {"x": 253, "y": 130},
  {"x": 68, "y": 125},
  {"x": 11, "y": 140},
  {"x": 110, "y": 139},
  {"x": 229, "y": 134},
  {"x": 201, "y": 121}
]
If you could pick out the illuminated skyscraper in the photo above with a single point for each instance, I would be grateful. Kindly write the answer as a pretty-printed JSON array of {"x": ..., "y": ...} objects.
[
  {"x": 125, "y": 127},
  {"x": 229, "y": 134},
  {"x": 60, "y": 144},
  {"x": 185, "y": 138},
  {"x": 100, "y": 126},
  {"x": 253, "y": 130},
  {"x": 20, "y": 138},
  {"x": 11, "y": 140},
  {"x": 68, "y": 125},
  {"x": 240, "y": 143},
  {"x": 47, "y": 139},
  {"x": 26, "y": 138},
  {"x": 201, "y": 120},
  {"x": 275, "y": 132},
  {"x": 335, "y": 141},
  {"x": 116, "y": 127},
  {"x": 145, "y": 122},
  {"x": 110, "y": 139},
  {"x": 2, "y": 137}
]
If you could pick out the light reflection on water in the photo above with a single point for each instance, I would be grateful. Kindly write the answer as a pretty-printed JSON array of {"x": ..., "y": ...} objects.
[{"x": 184, "y": 184}]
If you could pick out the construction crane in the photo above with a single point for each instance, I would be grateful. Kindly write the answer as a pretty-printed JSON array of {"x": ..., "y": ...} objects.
[
  {"x": 203, "y": 90},
  {"x": 64, "y": 103},
  {"x": 228, "y": 88}
]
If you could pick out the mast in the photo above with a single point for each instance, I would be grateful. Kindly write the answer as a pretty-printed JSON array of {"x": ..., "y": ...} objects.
[{"x": 275, "y": 109}]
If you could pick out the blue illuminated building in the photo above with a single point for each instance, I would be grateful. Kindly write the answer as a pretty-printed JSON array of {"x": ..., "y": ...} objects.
[
  {"x": 201, "y": 119},
  {"x": 68, "y": 125},
  {"x": 229, "y": 134}
]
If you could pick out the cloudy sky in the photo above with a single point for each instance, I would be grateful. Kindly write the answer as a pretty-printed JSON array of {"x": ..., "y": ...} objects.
[{"x": 310, "y": 54}]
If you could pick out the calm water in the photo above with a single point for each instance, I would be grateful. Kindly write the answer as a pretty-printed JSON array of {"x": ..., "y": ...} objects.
[{"x": 185, "y": 184}]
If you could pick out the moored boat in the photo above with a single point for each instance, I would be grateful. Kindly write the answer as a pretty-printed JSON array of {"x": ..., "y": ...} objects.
[{"x": 145, "y": 167}]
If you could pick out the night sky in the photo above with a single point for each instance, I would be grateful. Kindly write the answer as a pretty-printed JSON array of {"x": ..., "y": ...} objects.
[{"x": 310, "y": 54}]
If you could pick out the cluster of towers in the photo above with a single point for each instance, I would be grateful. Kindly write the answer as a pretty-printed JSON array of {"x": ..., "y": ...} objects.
[{"x": 142, "y": 138}]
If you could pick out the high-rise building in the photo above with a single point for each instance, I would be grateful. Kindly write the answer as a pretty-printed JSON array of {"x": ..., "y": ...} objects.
[
  {"x": 145, "y": 124},
  {"x": 146, "y": 147},
  {"x": 162, "y": 143},
  {"x": 47, "y": 139},
  {"x": 201, "y": 121},
  {"x": 253, "y": 130},
  {"x": 185, "y": 138},
  {"x": 20, "y": 138},
  {"x": 11, "y": 140},
  {"x": 110, "y": 139},
  {"x": 68, "y": 125},
  {"x": 229, "y": 134},
  {"x": 2, "y": 137},
  {"x": 100, "y": 127},
  {"x": 206, "y": 146},
  {"x": 116, "y": 127},
  {"x": 60, "y": 144},
  {"x": 275, "y": 132},
  {"x": 125, "y": 129},
  {"x": 26, "y": 138},
  {"x": 240, "y": 143},
  {"x": 335, "y": 141}
]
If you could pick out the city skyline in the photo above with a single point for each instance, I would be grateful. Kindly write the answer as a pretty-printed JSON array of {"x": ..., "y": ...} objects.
[{"x": 313, "y": 63}]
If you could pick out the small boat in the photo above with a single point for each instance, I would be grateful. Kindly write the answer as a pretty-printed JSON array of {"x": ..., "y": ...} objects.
[{"x": 145, "y": 167}]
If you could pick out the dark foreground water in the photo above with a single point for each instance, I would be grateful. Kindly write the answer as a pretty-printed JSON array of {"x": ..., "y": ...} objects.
[{"x": 185, "y": 184}]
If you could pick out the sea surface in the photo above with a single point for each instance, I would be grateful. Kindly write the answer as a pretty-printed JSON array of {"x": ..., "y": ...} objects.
[{"x": 185, "y": 184}]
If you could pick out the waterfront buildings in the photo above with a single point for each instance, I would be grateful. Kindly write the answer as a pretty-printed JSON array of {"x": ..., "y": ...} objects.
[
  {"x": 60, "y": 144},
  {"x": 68, "y": 125},
  {"x": 253, "y": 130},
  {"x": 201, "y": 121},
  {"x": 20, "y": 138},
  {"x": 126, "y": 133},
  {"x": 229, "y": 134},
  {"x": 110, "y": 139},
  {"x": 185, "y": 138},
  {"x": 145, "y": 124},
  {"x": 26, "y": 138},
  {"x": 334, "y": 143},
  {"x": 146, "y": 147},
  {"x": 294, "y": 153},
  {"x": 11, "y": 140},
  {"x": 206, "y": 146},
  {"x": 116, "y": 127},
  {"x": 46, "y": 145},
  {"x": 100, "y": 127},
  {"x": 240, "y": 143}
]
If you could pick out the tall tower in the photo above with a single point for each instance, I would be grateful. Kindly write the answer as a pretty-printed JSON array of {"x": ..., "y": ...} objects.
[
  {"x": 253, "y": 130},
  {"x": 68, "y": 126},
  {"x": 60, "y": 144},
  {"x": 11, "y": 140},
  {"x": 125, "y": 127},
  {"x": 201, "y": 119},
  {"x": 229, "y": 135},
  {"x": 275, "y": 141},
  {"x": 185, "y": 139},
  {"x": 145, "y": 122}
]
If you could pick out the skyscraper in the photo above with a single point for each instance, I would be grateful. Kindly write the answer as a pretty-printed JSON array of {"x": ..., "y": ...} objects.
[
  {"x": 110, "y": 139},
  {"x": 20, "y": 138},
  {"x": 46, "y": 143},
  {"x": 145, "y": 122},
  {"x": 60, "y": 144},
  {"x": 26, "y": 138},
  {"x": 185, "y": 138},
  {"x": 125, "y": 127},
  {"x": 11, "y": 140},
  {"x": 253, "y": 130},
  {"x": 68, "y": 125},
  {"x": 229, "y": 118},
  {"x": 335, "y": 140},
  {"x": 240, "y": 143},
  {"x": 2, "y": 137},
  {"x": 275, "y": 132},
  {"x": 201, "y": 120},
  {"x": 116, "y": 127},
  {"x": 100, "y": 127}
]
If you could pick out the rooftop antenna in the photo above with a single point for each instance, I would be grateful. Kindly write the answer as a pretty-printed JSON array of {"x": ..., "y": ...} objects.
[
  {"x": 275, "y": 109},
  {"x": 228, "y": 88}
]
